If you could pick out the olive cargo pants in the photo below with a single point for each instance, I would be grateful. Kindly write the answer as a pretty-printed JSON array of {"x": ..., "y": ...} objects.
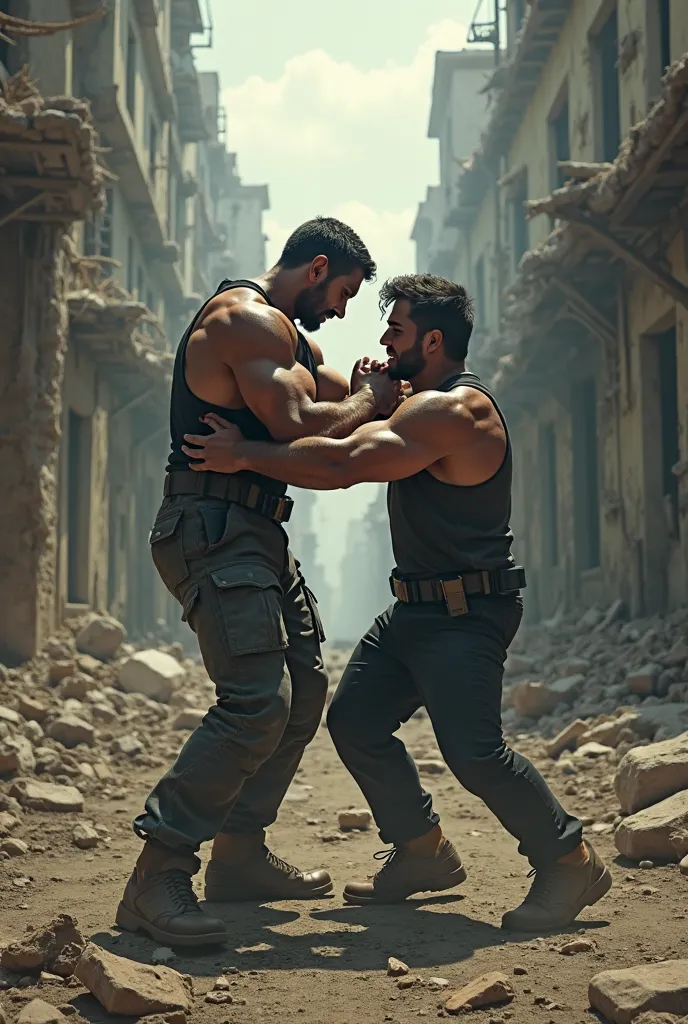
[{"x": 259, "y": 633}]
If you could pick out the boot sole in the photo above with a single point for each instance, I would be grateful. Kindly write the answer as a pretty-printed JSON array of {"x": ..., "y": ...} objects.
[
  {"x": 456, "y": 877},
  {"x": 222, "y": 896},
  {"x": 593, "y": 895},
  {"x": 131, "y": 922}
]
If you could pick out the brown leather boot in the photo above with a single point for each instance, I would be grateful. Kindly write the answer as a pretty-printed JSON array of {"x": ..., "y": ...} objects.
[
  {"x": 405, "y": 873},
  {"x": 243, "y": 868},
  {"x": 159, "y": 900},
  {"x": 558, "y": 894}
]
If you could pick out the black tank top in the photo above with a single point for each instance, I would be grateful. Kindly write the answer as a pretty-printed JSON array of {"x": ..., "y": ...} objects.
[
  {"x": 186, "y": 408},
  {"x": 439, "y": 529}
]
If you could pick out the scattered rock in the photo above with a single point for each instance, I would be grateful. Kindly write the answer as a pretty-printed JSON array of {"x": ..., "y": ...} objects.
[
  {"x": 519, "y": 969},
  {"x": 70, "y": 731},
  {"x": 55, "y": 948},
  {"x": 430, "y": 766},
  {"x": 152, "y": 673},
  {"x": 437, "y": 984},
  {"x": 60, "y": 669},
  {"x": 126, "y": 987},
  {"x": 189, "y": 718},
  {"x": 646, "y": 864},
  {"x": 518, "y": 664},
  {"x": 8, "y": 715},
  {"x": 658, "y": 833},
  {"x": 85, "y": 836},
  {"x": 488, "y": 990},
  {"x": 173, "y": 1017},
  {"x": 40, "y": 1012},
  {"x": 8, "y": 822},
  {"x": 16, "y": 755},
  {"x": 14, "y": 847},
  {"x": 360, "y": 820},
  {"x": 77, "y": 686},
  {"x": 32, "y": 710},
  {"x": 533, "y": 699},
  {"x": 621, "y": 995},
  {"x": 642, "y": 681},
  {"x": 566, "y": 739},
  {"x": 609, "y": 733},
  {"x": 396, "y": 968},
  {"x": 47, "y": 796},
  {"x": 684, "y": 865},
  {"x": 577, "y": 946},
  {"x": 162, "y": 955},
  {"x": 648, "y": 774},
  {"x": 410, "y": 982},
  {"x": 593, "y": 751},
  {"x": 130, "y": 745},
  {"x": 100, "y": 637}
]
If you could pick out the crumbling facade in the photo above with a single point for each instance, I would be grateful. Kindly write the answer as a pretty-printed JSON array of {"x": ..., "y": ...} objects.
[
  {"x": 114, "y": 163},
  {"x": 582, "y": 296}
]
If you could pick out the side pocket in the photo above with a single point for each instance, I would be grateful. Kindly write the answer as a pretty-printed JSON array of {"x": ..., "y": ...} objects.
[
  {"x": 168, "y": 552},
  {"x": 250, "y": 601},
  {"x": 312, "y": 602}
]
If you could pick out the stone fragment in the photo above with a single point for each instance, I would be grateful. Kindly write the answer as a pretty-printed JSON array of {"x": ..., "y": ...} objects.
[
  {"x": 10, "y": 716},
  {"x": 152, "y": 673},
  {"x": 565, "y": 691},
  {"x": 126, "y": 987},
  {"x": 659, "y": 1018},
  {"x": 60, "y": 669},
  {"x": 91, "y": 666},
  {"x": 55, "y": 948},
  {"x": 518, "y": 664},
  {"x": 130, "y": 745},
  {"x": 642, "y": 681},
  {"x": 8, "y": 823},
  {"x": 577, "y": 946},
  {"x": 77, "y": 686},
  {"x": 684, "y": 865},
  {"x": 437, "y": 984},
  {"x": 677, "y": 655},
  {"x": 430, "y": 766},
  {"x": 609, "y": 733},
  {"x": 87, "y": 770},
  {"x": 14, "y": 847},
  {"x": 361, "y": 820},
  {"x": 173, "y": 1017},
  {"x": 69, "y": 730},
  {"x": 32, "y": 710},
  {"x": 409, "y": 982},
  {"x": 646, "y": 775},
  {"x": 488, "y": 990},
  {"x": 16, "y": 755},
  {"x": 657, "y": 833},
  {"x": 593, "y": 751},
  {"x": 532, "y": 699},
  {"x": 566, "y": 739},
  {"x": 647, "y": 865},
  {"x": 621, "y": 995},
  {"x": 615, "y": 612},
  {"x": 396, "y": 968},
  {"x": 189, "y": 718},
  {"x": 40, "y": 1012},
  {"x": 162, "y": 955},
  {"x": 33, "y": 732},
  {"x": 85, "y": 836},
  {"x": 47, "y": 796},
  {"x": 100, "y": 637},
  {"x": 103, "y": 772}
]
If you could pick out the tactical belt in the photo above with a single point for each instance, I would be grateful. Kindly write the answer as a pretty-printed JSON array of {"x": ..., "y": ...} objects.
[
  {"x": 453, "y": 592},
  {"x": 228, "y": 488}
]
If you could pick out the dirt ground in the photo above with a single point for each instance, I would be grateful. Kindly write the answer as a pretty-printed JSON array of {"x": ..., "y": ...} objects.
[{"x": 323, "y": 961}]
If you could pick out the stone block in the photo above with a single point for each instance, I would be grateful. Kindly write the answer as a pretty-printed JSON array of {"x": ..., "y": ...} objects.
[{"x": 649, "y": 774}]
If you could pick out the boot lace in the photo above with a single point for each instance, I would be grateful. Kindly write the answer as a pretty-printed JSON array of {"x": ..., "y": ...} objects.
[
  {"x": 180, "y": 892},
  {"x": 281, "y": 865},
  {"x": 392, "y": 859},
  {"x": 544, "y": 885}
]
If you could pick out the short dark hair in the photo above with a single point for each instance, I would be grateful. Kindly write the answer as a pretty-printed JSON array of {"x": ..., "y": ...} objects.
[
  {"x": 327, "y": 236},
  {"x": 436, "y": 305}
]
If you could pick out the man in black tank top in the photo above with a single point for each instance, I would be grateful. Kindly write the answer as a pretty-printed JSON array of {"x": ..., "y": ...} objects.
[
  {"x": 219, "y": 548},
  {"x": 447, "y": 457}
]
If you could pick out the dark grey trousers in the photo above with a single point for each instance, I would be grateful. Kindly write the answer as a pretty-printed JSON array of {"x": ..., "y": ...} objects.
[
  {"x": 259, "y": 633},
  {"x": 417, "y": 655}
]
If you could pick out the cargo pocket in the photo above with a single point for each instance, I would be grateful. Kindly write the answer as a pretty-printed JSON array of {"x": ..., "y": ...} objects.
[
  {"x": 312, "y": 602},
  {"x": 168, "y": 551},
  {"x": 250, "y": 599}
]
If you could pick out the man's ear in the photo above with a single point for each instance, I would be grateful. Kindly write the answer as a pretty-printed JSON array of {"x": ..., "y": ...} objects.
[
  {"x": 319, "y": 268},
  {"x": 433, "y": 340}
]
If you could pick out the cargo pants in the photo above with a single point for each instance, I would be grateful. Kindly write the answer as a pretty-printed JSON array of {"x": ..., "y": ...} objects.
[{"x": 259, "y": 633}]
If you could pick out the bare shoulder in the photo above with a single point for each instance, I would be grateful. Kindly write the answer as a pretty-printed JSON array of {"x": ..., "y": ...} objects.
[
  {"x": 433, "y": 405},
  {"x": 244, "y": 316}
]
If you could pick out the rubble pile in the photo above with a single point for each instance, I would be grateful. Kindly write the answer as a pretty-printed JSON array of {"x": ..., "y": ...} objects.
[
  {"x": 88, "y": 710},
  {"x": 604, "y": 703}
]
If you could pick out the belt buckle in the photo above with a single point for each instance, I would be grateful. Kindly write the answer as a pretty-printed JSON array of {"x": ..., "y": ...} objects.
[
  {"x": 454, "y": 596},
  {"x": 401, "y": 590},
  {"x": 280, "y": 509}
]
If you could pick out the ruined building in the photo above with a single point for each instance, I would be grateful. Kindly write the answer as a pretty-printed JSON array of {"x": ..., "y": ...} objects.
[
  {"x": 114, "y": 226},
  {"x": 572, "y": 237}
]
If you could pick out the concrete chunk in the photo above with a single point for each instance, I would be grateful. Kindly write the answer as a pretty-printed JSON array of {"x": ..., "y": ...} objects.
[
  {"x": 47, "y": 796},
  {"x": 647, "y": 775},
  {"x": 566, "y": 739},
  {"x": 621, "y": 995},
  {"x": 152, "y": 673},
  {"x": 657, "y": 833},
  {"x": 100, "y": 637},
  {"x": 488, "y": 990},
  {"x": 69, "y": 730},
  {"x": 123, "y": 986},
  {"x": 16, "y": 755}
]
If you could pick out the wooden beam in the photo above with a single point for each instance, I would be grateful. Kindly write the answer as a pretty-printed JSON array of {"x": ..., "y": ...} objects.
[
  {"x": 644, "y": 179},
  {"x": 46, "y": 184},
  {"x": 599, "y": 324},
  {"x": 628, "y": 253}
]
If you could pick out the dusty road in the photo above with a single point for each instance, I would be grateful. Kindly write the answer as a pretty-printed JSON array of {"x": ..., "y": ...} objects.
[{"x": 324, "y": 961}]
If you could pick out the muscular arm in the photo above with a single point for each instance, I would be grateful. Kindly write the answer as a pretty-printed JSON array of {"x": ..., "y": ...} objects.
[
  {"x": 424, "y": 429},
  {"x": 332, "y": 385},
  {"x": 257, "y": 343}
]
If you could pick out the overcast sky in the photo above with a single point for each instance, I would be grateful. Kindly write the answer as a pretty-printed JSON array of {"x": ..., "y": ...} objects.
[{"x": 328, "y": 104}]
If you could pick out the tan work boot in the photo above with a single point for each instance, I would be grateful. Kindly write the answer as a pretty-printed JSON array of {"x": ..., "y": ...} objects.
[
  {"x": 242, "y": 868},
  {"x": 558, "y": 894},
  {"x": 405, "y": 873},
  {"x": 159, "y": 900}
]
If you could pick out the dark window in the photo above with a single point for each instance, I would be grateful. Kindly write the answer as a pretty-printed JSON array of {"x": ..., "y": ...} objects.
[
  {"x": 131, "y": 74},
  {"x": 665, "y": 33},
  {"x": 480, "y": 292},
  {"x": 607, "y": 43},
  {"x": 519, "y": 13},
  {"x": 78, "y": 486},
  {"x": 561, "y": 142},
  {"x": 152, "y": 153},
  {"x": 668, "y": 394},
  {"x": 586, "y": 489},
  {"x": 550, "y": 531},
  {"x": 98, "y": 230},
  {"x": 520, "y": 227}
]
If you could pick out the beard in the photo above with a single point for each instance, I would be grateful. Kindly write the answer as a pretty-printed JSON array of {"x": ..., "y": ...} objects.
[
  {"x": 309, "y": 307},
  {"x": 410, "y": 364}
]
